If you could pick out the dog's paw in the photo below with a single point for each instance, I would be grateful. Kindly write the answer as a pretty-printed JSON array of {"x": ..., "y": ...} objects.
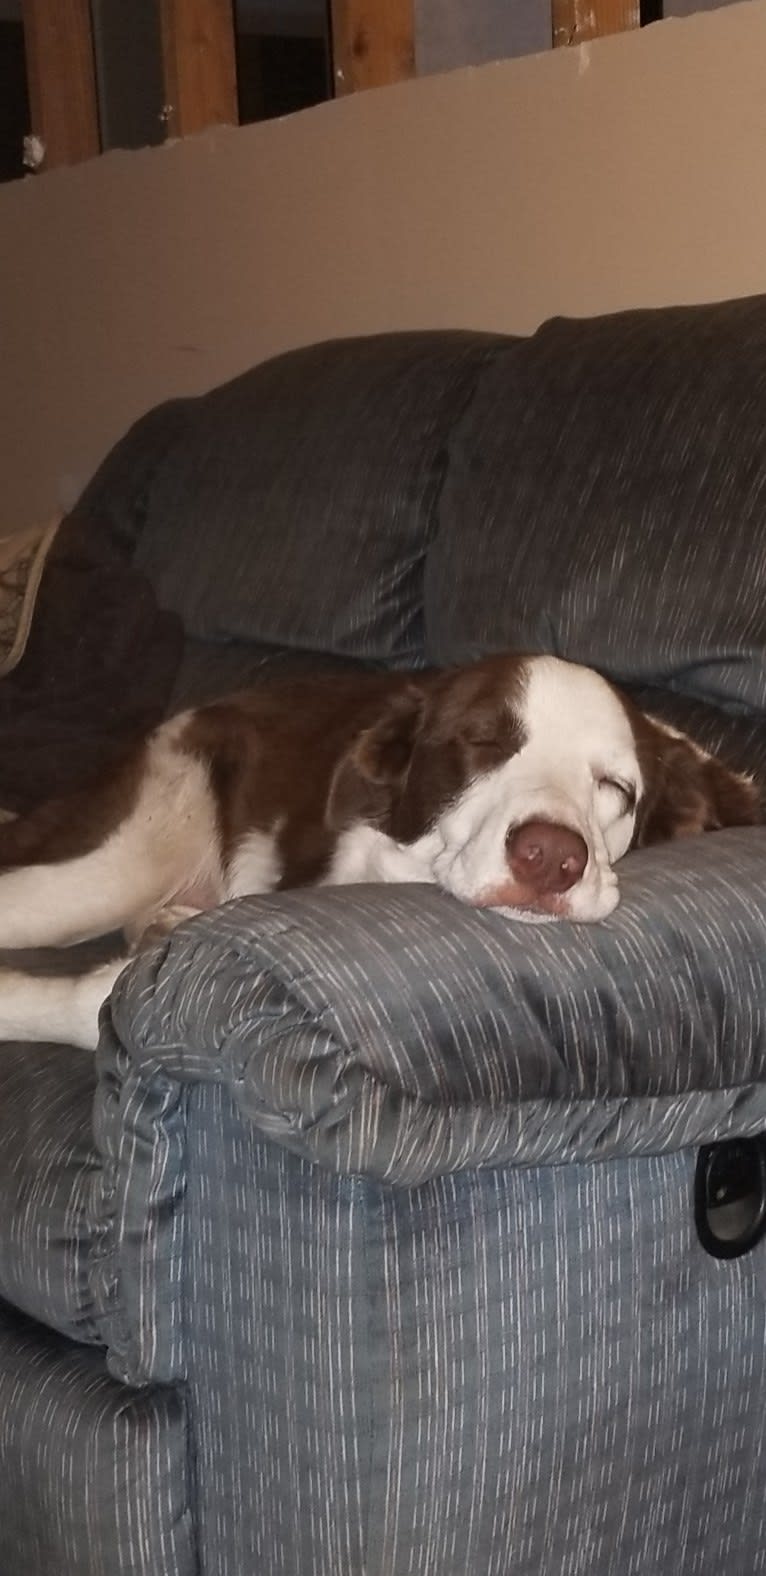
[{"x": 155, "y": 927}]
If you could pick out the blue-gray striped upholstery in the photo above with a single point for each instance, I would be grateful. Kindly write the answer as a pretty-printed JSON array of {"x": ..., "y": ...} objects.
[
  {"x": 49, "y": 1168},
  {"x": 391, "y": 1033},
  {"x": 486, "y": 1368},
  {"x": 611, "y": 475},
  {"x": 511, "y": 1371},
  {"x": 401, "y": 1034},
  {"x": 95, "y": 1479},
  {"x": 530, "y": 1368},
  {"x": 314, "y": 479}
]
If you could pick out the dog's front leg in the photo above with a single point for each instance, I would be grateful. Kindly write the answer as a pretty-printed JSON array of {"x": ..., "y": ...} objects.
[
  {"x": 64, "y": 1008},
  {"x": 59, "y": 1008}
]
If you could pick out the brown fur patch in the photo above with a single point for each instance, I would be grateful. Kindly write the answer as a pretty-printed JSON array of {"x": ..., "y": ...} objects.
[
  {"x": 77, "y": 823},
  {"x": 686, "y": 790},
  {"x": 272, "y": 752},
  {"x": 311, "y": 756}
]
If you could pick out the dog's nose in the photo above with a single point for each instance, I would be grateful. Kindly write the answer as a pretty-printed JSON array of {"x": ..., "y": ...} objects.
[{"x": 545, "y": 856}]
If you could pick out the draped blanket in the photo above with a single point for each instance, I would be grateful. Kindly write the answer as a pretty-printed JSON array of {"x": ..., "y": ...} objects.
[{"x": 87, "y": 660}]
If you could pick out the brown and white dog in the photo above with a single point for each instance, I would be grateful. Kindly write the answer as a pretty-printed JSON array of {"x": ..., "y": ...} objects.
[{"x": 515, "y": 783}]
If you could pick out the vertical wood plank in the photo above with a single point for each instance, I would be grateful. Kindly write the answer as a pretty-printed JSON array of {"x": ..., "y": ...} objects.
[
  {"x": 199, "y": 65},
  {"x": 61, "y": 77},
  {"x": 373, "y": 43},
  {"x": 575, "y": 21}
]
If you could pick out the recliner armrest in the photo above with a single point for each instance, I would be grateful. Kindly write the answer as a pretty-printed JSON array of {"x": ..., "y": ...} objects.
[{"x": 396, "y": 1033}]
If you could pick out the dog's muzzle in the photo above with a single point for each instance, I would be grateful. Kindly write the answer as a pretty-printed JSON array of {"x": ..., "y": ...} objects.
[{"x": 545, "y": 857}]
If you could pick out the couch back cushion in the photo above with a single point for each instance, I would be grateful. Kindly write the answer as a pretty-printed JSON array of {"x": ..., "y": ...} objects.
[
  {"x": 297, "y": 502},
  {"x": 606, "y": 500}
]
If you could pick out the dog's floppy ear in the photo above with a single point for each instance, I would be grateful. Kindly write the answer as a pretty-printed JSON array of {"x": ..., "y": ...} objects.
[
  {"x": 373, "y": 772},
  {"x": 686, "y": 790}
]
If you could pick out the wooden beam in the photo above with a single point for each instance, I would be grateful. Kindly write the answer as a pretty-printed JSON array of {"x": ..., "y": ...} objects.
[
  {"x": 61, "y": 77},
  {"x": 575, "y": 21},
  {"x": 199, "y": 65},
  {"x": 373, "y": 43}
]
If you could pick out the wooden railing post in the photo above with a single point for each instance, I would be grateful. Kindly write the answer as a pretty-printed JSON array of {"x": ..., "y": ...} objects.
[
  {"x": 576, "y": 21},
  {"x": 373, "y": 43},
  {"x": 61, "y": 78},
  {"x": 199, "y": 65}
]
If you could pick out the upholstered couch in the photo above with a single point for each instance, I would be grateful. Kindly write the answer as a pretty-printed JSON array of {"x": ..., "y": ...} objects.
[{"x": 370, "y": 1246}]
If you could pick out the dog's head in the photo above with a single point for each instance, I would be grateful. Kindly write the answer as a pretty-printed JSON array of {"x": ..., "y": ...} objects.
[{"x": 519, "y": 782}]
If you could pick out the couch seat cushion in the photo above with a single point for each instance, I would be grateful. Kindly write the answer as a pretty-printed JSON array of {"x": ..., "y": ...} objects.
[
  {"x": 78, "y": 1242},
  {"x": 48, "y": 1168},
  {"x": 96, "y": 1479}
]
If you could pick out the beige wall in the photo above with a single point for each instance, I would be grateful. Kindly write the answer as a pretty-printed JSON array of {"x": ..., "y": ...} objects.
[{"x": 626, "y": 172}]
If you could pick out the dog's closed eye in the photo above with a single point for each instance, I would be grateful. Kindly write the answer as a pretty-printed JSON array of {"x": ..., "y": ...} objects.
[{"x": 624, "y": 792}]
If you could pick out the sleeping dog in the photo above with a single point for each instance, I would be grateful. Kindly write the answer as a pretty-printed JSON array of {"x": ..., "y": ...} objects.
[{"x": 517, "y": 783}]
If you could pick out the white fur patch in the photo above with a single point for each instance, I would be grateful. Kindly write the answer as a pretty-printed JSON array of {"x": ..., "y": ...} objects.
[
  {"x": 255, "y": 866},
  {"x": 61, "y": 1009},
  {"x": 365, "y": 854},
  {"x": 579, "y": 743},
  {"x": 166, "y": 846}
]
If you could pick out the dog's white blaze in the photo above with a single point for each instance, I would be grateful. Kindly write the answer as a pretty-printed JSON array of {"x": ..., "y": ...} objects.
[{"x": 577, "y": 735}]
